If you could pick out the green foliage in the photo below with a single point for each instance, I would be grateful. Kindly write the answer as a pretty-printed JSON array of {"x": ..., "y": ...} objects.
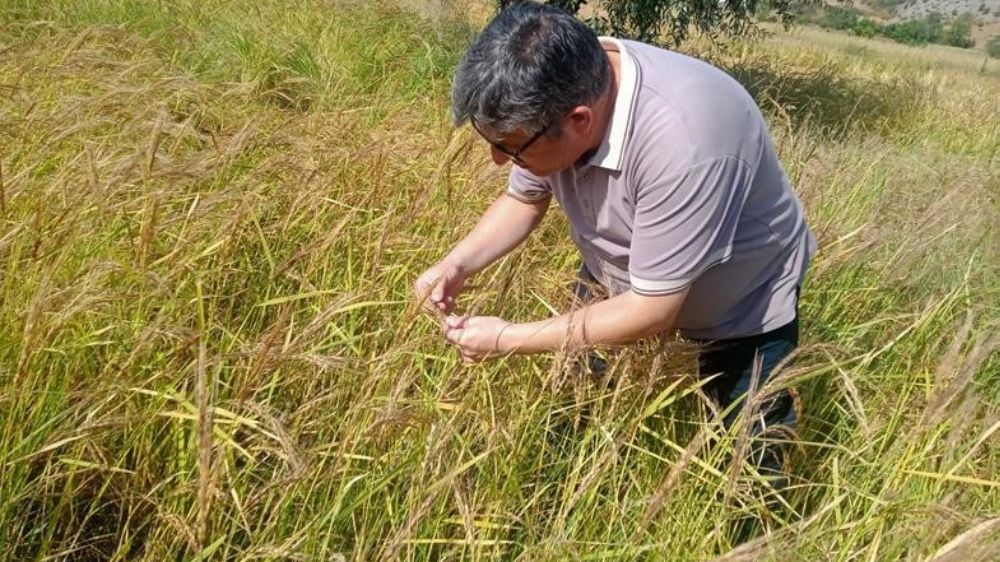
[
  {"x": 930, "y": 29},
  {"x": 670, "y": 21},
  {"x": 912, "y": 32},
  {"x": 865, "y": 28},
  {"x": 839, "y": 17},
  {"x": 959, "y": 32},
  {"x": 993, "y": 46}
]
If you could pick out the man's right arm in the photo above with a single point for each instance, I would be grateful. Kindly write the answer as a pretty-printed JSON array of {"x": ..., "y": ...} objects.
[{"x": 503, "y": 227}]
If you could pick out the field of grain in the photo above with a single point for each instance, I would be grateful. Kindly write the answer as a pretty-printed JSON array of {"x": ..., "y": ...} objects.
[{"x": 211, "y": 217}]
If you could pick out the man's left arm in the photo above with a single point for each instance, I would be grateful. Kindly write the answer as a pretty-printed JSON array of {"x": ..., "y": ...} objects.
[{"x": 622, "y": 319}]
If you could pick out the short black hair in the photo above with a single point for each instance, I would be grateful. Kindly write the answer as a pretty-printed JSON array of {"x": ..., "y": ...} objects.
[{"x": 527, "y": 68}]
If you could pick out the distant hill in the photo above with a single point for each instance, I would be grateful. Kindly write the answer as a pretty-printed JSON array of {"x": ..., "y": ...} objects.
[{"x": 985, "y": 11}]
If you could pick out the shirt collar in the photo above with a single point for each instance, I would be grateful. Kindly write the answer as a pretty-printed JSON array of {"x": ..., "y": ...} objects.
[{"x": 612, "y": 148}]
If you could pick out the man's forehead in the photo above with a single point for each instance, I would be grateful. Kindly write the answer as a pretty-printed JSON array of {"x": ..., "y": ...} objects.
[{"x": 493, "y": 134}]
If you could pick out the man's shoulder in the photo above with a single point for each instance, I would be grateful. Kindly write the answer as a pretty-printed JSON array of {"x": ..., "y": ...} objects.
[
  {"x": 660, "y": 62},
  {"x": 681, "y": 78},
  {"x": 688, "y": 110}
]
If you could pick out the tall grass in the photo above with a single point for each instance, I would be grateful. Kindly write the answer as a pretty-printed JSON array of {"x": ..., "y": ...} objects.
[{"x": 211, "y": 215}]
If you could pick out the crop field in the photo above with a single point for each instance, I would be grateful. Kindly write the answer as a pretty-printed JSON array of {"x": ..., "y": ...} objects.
[{"x": 212, "y": 214}]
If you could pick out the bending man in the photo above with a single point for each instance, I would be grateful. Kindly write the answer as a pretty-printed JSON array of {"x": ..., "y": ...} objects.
[{"x": 666, "y": 171}]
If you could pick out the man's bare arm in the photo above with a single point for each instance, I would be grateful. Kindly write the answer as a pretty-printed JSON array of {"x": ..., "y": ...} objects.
[
  {"x": 502, "y": 228},
  {"x": 619, "y": 320}
]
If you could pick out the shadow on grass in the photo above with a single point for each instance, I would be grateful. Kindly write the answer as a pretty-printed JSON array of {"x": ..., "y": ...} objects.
[
  {"x": 82, "y": 516},
  {"x": 826, "y": 99}
]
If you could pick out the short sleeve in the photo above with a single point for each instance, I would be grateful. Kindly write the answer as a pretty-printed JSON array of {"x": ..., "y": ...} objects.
[
  {"x": 685, "y": 223},
  {"x": 527, "y": 187}
]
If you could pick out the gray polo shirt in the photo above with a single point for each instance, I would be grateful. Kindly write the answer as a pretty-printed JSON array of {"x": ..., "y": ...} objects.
[{"x": 685, "y": 191}]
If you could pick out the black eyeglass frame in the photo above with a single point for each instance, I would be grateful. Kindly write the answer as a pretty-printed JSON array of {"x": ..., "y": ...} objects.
[{"x": 514, "y": 155}]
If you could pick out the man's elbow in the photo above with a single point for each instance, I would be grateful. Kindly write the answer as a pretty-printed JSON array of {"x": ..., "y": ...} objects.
[
  {"x": 658, "y": 327},
  {"x": 657, "y": 314}
]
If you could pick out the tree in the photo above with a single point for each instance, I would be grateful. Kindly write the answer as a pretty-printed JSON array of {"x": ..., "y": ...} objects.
[
  {"x": 934, "y": 26},
  {"x": 670, "y": 21},
  {"x": 865, "y": 28},
  {"x": 959, "y": 32},
  {"x": 840, "y": 18},
  {"x": 916, "y": 32},
  {"x": 993, "y": 47}
]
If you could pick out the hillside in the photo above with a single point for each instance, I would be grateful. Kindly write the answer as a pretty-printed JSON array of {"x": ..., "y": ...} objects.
[
  {"x": 985, "y": 11},
  {"x": 983, "y": 16}
]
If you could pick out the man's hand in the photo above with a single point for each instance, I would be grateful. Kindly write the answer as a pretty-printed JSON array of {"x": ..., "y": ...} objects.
[
  {"x": 439, "y": 287},
  {"x": 476, "y": 337}
]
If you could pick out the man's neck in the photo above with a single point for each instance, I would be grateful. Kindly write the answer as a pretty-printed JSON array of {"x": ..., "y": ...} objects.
[{"x": 605, "y": 106}]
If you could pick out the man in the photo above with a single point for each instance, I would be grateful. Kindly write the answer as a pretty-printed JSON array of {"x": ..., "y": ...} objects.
[{"x": 666, "y": 171}]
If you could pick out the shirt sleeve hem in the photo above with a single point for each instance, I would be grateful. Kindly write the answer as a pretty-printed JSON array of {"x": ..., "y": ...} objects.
[
  {"x": 660, "y": 287},
  {"x": 666, "y": 286}
]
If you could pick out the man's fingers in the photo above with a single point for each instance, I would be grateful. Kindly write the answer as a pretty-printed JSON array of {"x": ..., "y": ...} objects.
[
  {"x": 428, "y": 306},
  {"x": 453, "y": 331},
  {"x": 424, "y": 294},
  {"x": 437, "y": 293}
]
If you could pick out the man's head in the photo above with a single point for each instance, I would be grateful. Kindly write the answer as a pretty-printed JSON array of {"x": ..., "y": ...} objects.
[{"x": 529, "y": 80}]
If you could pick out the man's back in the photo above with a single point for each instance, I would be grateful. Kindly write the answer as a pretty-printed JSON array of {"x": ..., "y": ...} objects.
[{"x": 686, "y": 191}]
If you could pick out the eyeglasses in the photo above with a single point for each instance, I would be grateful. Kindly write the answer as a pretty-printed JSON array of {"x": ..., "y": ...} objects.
[{"x": 514, "y": 155}]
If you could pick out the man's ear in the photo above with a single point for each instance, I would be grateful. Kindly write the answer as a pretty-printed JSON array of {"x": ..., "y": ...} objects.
[{"x": 581, "y": 119}]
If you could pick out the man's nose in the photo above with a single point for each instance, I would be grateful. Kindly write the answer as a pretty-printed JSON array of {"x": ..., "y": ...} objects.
[{"x": 499, "y": 158}]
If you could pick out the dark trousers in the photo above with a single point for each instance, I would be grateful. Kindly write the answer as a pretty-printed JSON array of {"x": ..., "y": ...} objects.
[{"x": 732, "y": 363}]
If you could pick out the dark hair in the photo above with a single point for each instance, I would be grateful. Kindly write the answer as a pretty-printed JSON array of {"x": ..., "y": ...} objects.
[{"x": 528, "y": 67}]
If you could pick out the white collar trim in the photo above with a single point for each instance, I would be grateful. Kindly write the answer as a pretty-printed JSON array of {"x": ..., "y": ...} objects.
[{"x": 609, "y": 153}]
